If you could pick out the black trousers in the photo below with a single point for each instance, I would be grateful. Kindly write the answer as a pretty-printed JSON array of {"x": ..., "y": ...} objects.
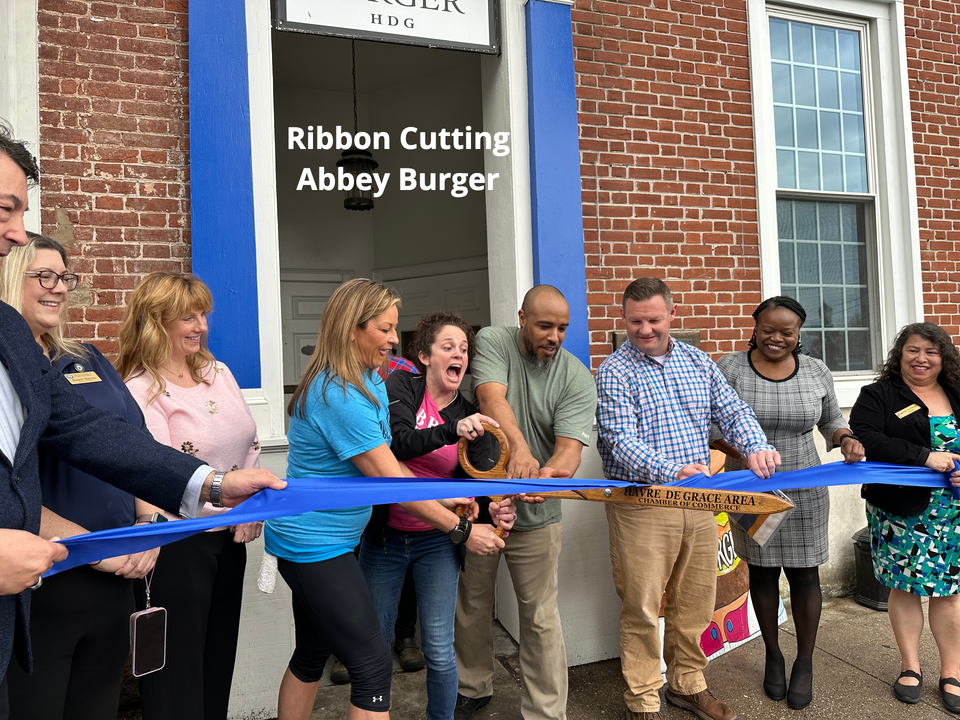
[
  {"x": 80, "y": 630},
  {"x": 199, "y": 580},
  {"x": 333, "y": 613}
]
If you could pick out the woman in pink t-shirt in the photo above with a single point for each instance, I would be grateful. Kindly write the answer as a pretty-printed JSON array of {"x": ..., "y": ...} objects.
[{"x": 428, "y": 416}]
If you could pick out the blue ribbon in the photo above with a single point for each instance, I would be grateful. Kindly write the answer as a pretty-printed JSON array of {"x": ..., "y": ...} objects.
[
  {"x": 301, "y": 496},
  {"x": 835, "y": 473},
  {"x": 305, "y": 495}
]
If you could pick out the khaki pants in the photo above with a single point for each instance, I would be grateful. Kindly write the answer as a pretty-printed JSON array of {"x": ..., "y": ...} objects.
[
  {"x": 653, "y": 550},
  {"x": 532, "y": 561}
]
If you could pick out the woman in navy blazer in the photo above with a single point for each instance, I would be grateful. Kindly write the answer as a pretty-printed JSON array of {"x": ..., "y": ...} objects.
[{"x": 80, "y": 617}]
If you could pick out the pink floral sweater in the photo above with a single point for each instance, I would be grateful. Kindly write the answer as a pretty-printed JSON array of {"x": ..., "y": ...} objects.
[{"x": 210, "y": 421}]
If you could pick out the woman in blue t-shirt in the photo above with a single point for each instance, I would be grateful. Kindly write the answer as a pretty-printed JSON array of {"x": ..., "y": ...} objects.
[{"x": 340, "y": 426}]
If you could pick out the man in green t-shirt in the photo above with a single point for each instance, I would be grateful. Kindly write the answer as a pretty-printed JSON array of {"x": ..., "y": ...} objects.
[{"x": 544, "y": 400}]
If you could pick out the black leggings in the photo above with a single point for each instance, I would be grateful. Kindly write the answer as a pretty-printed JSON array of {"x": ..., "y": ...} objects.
[{"x": 334, "y": 614}]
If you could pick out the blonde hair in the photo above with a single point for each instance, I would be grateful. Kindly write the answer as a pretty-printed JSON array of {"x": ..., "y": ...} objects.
[
  {"x": 161, "y": 298},
  {"x": 12, "y": 279},
  {"x": 352, "y": 305}
]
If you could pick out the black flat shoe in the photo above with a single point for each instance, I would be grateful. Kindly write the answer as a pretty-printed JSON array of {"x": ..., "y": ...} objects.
[
  {"x": 799, "y": 700},
  {"x": 775, "y": 680},
  {"x": 909, "y": 694},
  {"x": 950, "y": 701}
]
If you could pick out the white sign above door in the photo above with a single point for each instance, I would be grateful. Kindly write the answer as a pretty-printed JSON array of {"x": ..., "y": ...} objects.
[{"x": 455, "y": 24}]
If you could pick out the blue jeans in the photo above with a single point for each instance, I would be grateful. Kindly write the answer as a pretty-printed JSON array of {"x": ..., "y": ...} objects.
[{"x": 435, "y": 562}]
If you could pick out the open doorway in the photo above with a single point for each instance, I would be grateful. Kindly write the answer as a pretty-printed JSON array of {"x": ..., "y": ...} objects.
[{"x": 429, "y": 245}]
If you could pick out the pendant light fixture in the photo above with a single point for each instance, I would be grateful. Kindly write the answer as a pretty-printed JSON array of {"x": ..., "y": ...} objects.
[{"x": 355, "y": 161}]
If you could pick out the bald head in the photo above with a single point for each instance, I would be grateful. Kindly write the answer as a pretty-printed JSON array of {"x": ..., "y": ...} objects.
[
  {"x": 544, "y": 317},
  {"x": 541, "y": 294}
]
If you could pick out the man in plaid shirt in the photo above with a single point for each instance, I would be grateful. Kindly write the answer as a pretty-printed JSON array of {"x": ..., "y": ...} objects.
[{"x": 657, "y": 400}]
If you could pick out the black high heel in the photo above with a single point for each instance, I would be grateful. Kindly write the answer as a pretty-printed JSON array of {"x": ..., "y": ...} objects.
[
  {"x": 797, "y": 700},
  {"x": 776, "y": 687}
]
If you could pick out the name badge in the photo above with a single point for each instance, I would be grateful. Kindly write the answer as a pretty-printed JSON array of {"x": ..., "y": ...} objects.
[
  {"x": 82, "y": 378},
  {"x": 908, "y": 410}
]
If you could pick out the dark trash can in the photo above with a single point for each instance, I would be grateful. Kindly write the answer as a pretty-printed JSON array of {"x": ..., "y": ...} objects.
[{"x": 869, "y": 590}]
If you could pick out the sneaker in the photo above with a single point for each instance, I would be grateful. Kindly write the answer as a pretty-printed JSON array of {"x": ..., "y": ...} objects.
[
  {"x": 338, "y": 673},
  {"x": 411, "y": 659},
  {"x": 702, "y": 704},
  {"x": 466, "y": 707}
]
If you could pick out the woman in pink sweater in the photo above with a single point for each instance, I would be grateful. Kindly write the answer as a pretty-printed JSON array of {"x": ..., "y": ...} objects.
[{"x": 190, "y": 402}]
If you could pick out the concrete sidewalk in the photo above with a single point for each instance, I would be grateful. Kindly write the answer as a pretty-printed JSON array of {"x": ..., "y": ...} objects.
[{"x": 855, "y": 665}]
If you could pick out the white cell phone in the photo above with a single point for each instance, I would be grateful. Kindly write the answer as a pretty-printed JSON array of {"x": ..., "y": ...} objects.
[{"x": 148, "y": 640}]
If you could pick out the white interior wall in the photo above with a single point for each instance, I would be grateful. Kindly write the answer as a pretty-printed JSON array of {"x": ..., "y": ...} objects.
[
  {"x": 415, "y": 227},
  {"x": 316, "y": 232}
]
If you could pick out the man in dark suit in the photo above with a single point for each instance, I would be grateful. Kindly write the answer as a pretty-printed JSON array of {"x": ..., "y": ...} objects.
[{"x": 39, "y": 410}]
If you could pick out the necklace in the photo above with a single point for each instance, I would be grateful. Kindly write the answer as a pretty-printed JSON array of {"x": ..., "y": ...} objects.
[{"x": 179, "y": 375}]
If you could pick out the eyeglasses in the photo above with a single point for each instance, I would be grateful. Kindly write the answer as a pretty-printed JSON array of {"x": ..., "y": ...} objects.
[{"x": 49, "y": 279}]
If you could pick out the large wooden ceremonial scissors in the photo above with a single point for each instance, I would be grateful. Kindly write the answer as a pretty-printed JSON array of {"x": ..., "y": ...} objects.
[{"x": 675, "y": 497}]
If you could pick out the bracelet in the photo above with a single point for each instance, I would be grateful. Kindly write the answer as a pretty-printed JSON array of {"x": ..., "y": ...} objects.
[
  {"x": 216, "y": 498},
  {"x": 848, "y": 435}
]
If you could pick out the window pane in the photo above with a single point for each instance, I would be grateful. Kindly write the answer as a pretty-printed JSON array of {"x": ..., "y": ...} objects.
[
  {"x": 829, "y": 222},
  {"x": 856, "y": 173},
  {"x": 785, "y": 219},
  {"x": 788, "y": 271},
  {"x": 854, "y": 260},
  {"x": 830, "y": 131},
  {"x": 832, "y": 172},
  {"x": 812, "y": 341},
  {"x": 783, "y": 121},
  {"x": 807, "y": 136},
  {"x": 786, "y": 169},
  {"x": 808, "y": 168},
  {"x": 826, "y": 47},
  {"x": 805, "y": 85},
  {"x": 816, "y": 76},
  {"x": 828, "y": 82},
  {"x": 831, "y": 268},
  {"x": 810, "y": 299},
  {"x": 853, "y": 133},
  {"x": 851, "y": 92},
  {"x": 849, "y": 42},
  {"x": 802, "y": 42},
  {"x": 779, "y": 39},
  {"x": 860, "y": 351},
  {"x": 835, "y": 350},
  {"x": 848, "y": 223},
  {"x": 829, "y": 278},
  {"x": 806, "y": 219},
  {"x": 808, "y": 264},
  {"x": 783, "y": 84},
  {"x": 833, "y": 315}
]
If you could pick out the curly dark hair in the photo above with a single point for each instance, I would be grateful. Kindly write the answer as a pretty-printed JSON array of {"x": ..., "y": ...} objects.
[
  {"x": 773, "y": 302},
  {"x": 17, "y": 151},
  {"x": 425, "y": 334},
  {"x": 949, "y": 357}
]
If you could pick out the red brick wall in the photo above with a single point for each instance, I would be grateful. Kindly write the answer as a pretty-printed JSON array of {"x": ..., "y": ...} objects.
[
  {"x": 667, "y": 169},
  {"x": 113, "y": 147},
  {"x": 933, "y": 34}
]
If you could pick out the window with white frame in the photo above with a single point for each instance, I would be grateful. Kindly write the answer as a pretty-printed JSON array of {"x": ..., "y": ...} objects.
[{"x": 824, "y": 198}]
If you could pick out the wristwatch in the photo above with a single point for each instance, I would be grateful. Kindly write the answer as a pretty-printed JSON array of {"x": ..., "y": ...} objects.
[
  {"x": 216, "y": 498},
  {"x": 461, "y": 532},
  {"x": 152, "y": 518}
]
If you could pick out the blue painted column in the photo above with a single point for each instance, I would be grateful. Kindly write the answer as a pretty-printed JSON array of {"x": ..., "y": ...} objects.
[
  {"x": 558, "y": 257},
  {"x": 221, "y": 183}
]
